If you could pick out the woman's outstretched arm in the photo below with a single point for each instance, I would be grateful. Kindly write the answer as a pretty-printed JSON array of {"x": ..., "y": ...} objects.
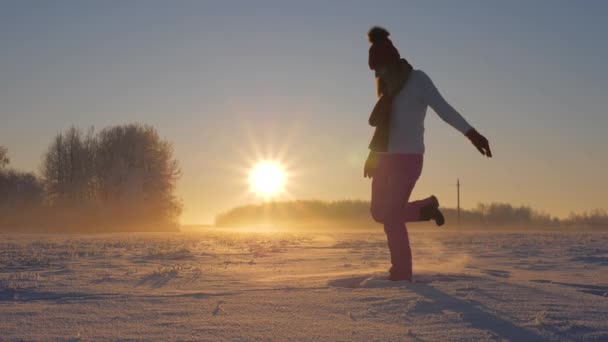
[
  {"x": 445, "y": 111},
  {"x": 450, "y": 115}
]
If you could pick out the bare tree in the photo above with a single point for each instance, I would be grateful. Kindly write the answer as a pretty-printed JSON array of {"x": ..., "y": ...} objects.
[
  {"x": 68, "y": 167},
  {"x": 123, "y": 173},
  {"x": 18, "y": 189},
  {"x": 137, "y": 169},
  {"x": 4, "y": 161}
]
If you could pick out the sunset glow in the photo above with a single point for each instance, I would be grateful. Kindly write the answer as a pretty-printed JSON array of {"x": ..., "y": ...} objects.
[
  {"x": 303, "y": 170},
  {"x": 267, "y": 178}
]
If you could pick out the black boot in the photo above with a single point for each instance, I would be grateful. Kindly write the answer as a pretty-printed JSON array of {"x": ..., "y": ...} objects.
[{"x": 431, "y": 212}]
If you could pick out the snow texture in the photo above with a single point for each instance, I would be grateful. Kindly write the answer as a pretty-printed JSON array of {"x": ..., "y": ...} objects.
[{"x": 277, "y": 286}]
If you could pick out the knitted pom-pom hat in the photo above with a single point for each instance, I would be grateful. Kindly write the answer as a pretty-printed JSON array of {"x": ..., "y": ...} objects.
[{"x": 382, "y": 52}]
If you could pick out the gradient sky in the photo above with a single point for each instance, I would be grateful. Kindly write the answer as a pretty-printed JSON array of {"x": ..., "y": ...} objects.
[{"x": 228, "y": 81}]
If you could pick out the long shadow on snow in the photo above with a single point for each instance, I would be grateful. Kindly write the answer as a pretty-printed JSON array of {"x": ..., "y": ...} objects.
[
  {"x": 476, "y": 316},
  {"x": 380, "y": 281},
  {"x": 597, "y": 290}
]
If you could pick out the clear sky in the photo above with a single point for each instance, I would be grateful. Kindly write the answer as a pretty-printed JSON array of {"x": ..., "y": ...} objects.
[{"x": 227, "y": 81}]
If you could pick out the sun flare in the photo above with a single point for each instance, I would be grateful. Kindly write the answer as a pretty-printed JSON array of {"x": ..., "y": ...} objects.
[{"x": 267, "y": 178}]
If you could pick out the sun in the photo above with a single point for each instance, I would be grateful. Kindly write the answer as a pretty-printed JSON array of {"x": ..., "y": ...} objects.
[{"x": 267, "y": 178}]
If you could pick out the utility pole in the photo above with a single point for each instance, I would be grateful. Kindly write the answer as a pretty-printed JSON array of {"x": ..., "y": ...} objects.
[{"x": 458, "y": 198}]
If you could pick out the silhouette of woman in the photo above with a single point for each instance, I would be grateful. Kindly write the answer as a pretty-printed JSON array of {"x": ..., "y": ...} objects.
[{"x": 396, "y": 153}]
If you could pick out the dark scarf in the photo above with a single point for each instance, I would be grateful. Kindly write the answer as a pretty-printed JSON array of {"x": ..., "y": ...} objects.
[{"x": 381, "y": 114}]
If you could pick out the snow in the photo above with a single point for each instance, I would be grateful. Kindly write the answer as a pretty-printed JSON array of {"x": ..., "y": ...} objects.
[{"x": 225, "y": 285}]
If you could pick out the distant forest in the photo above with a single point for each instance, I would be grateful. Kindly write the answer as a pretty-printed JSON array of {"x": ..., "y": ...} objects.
[
  {"x": 355, "y": 214},
  {"x": 121, "y": 178}
]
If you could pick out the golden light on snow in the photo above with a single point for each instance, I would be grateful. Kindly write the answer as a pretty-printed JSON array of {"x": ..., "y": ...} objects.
[{"x": 267, "y": 178}]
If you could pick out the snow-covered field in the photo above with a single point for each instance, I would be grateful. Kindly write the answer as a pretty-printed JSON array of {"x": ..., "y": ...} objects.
[{"x": 272, "y": 285}]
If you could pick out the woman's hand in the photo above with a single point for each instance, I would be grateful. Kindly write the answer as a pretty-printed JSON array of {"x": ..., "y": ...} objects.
[
  {"x": 370, "y": 165},
  {"x": 480, "y": 142}
]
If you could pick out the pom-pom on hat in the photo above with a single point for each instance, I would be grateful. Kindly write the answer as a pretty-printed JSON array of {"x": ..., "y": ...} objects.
[
  {"x": 382, "y": 52},
  {"x": 377, "y": 34}
]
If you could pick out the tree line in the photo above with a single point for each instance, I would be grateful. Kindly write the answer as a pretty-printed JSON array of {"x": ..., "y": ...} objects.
[
  {"x": 355, "y": 214},
  {"x": 121, "y": 178}
]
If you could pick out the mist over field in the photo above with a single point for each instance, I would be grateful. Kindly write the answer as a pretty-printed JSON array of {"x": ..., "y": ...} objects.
[{"x": 355, "y": 214}]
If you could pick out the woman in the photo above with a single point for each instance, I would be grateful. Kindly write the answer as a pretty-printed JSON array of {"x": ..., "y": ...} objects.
[{"x": 396, "y": 164}]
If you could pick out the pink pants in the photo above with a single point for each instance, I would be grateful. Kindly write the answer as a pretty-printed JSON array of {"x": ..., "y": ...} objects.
[{"x": 392, "y": 185}]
